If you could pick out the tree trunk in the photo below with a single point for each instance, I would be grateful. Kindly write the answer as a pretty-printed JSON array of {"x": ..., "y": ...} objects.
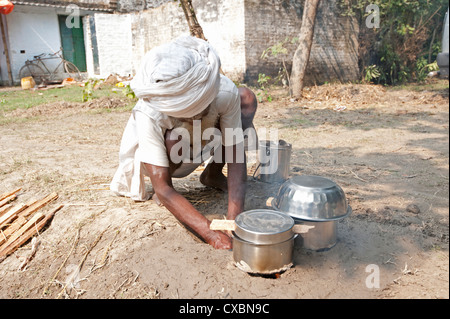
[
  {"x": 301, "y": 56},
  {"x": 194, "y": 27}
]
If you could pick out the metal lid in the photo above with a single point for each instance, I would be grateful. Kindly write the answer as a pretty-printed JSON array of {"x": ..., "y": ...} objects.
[{"x": 264, "y": 226}]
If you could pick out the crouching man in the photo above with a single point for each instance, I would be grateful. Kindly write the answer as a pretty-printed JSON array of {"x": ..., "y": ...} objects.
[{"x": 180, "y": 89}]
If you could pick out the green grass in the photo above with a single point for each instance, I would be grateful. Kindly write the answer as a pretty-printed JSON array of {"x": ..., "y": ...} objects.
[
  {"x": 14, "y": 99},
  {"x": 17, "y": 98}
]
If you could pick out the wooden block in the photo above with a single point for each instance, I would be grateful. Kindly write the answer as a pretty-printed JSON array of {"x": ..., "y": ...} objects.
[
  {"x": 16, "y": 225},
  {"x": 222, "y": 224},
  {"x": 269, "y": 201},
  {"x": 23, "y": 216},
  {"x": 230, "y": 225},
  {"x": 39, "y": 204},
  {"x": 301, "y": 229}
]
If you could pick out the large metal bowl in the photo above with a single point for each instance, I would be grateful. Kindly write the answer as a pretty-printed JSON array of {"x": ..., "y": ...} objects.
[{"x": 311, "y": 198}]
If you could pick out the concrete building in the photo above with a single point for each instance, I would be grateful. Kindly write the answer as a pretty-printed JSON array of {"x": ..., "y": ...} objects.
[
  {"x": 36, "y": 27},
  {"x": 112, "y": 36}
]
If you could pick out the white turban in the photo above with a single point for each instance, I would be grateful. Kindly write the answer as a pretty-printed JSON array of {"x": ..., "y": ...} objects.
[{"x": 179, "y": 79}]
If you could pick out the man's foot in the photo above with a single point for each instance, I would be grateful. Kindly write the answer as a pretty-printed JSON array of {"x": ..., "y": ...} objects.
[{"x": 212, "y": 177}]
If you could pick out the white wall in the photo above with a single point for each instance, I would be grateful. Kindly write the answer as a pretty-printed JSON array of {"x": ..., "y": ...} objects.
[
  {"x": 123, "y": 39},
  {"x": 222, "y": 21},
  {"x": 114, "y": 42},
  {"x": 33, "y": 30},
  {"x": 88, "y": 47},
  {"x": 224, "y": 26}
]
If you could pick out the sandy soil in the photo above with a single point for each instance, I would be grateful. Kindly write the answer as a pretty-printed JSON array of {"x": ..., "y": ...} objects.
[{"x": 388, "y": 150}]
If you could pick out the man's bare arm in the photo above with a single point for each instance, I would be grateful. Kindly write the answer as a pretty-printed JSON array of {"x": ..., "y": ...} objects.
[
  {"x": 182, "y": 209},
  {"x": 237, "y": 182}
]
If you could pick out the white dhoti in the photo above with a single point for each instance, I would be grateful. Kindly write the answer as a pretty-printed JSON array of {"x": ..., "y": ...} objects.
[{"x": 129, "y": 178}]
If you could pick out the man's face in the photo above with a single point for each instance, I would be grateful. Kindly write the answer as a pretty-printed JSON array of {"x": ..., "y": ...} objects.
[{"x": 196, "y": 117}]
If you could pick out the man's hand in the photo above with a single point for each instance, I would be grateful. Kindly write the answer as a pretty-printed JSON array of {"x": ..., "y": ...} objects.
[{"x": 219, "y": 240}]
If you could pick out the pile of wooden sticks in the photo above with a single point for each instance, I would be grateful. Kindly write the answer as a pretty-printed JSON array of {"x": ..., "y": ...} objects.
[{"x": 20, "y": 222}]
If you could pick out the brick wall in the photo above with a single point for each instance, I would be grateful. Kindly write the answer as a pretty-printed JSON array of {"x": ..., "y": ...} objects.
[
  {"x": 268, "y": 22},
  {"x": 334, "y": 54},
  {"x": 240, "y": 30}
]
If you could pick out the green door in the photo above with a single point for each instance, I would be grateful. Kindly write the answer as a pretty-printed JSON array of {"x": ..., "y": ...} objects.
[{"x": 72, "y": 40}]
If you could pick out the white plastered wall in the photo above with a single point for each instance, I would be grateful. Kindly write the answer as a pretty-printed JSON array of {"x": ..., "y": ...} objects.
[{"x": 31, "y": 31}]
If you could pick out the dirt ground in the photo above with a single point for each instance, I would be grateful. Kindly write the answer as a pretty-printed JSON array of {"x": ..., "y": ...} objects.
[{"x": 388, "y": 149}]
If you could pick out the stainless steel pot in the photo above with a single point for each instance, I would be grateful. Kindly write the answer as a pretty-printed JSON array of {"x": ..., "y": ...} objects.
[
  {"x": 273, "y": 161},
  {"x": 323, "y": 237},
  {"x": 263, "y": 241},
  {"x": 264, "y": 226},
  {"x": 313, "y": 198},
  {"x": 263, "y": 258},
  {"x": 314, "y": 201}
]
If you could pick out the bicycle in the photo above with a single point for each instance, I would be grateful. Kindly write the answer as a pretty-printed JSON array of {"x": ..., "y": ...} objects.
[{"x": 42, "y": 74}]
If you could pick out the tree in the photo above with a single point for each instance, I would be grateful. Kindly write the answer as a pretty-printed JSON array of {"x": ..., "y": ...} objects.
[
  {"x": 301, "y": 56},
  {"x": 194, "y": 27},
  {"x": 403, "y": 46}
]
